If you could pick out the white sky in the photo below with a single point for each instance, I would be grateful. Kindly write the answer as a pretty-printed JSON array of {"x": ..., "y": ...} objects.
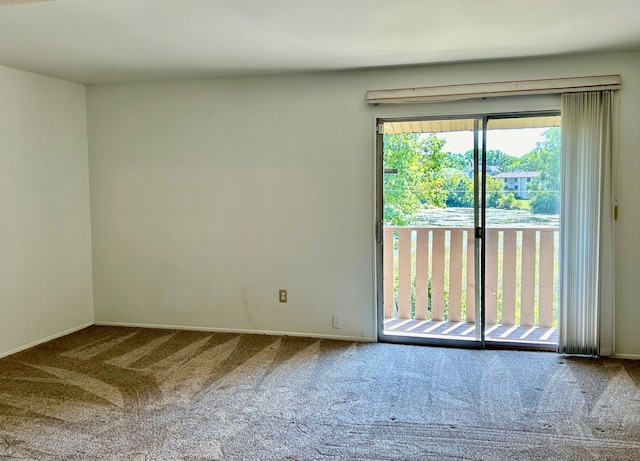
[{"x": 513, "y": 142}]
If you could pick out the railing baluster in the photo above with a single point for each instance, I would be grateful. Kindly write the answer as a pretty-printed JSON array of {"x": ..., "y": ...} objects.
[
  {"x": 491, "y": 277},
  {"x": 545, "y": 282},
  {"x": 528, "y": 277},
  {"x": 471, "y": 276},
  {"x": 509, "y": 276},
  {"x": 387, "y": 273},
  {"x": 437, "y": 275},
  {"x": 404, "y": 273},
  {"x": 455, "y": 275},
  {"x": 422, "y": 277}
]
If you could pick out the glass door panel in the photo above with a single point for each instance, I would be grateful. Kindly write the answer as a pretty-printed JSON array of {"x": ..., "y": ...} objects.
[
  {"x": 430, "y": 191},
  {"x": 522, "y": 230}
]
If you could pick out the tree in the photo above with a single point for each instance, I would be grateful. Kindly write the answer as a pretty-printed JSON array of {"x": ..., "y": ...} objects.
[
  {"x": 417, "y": 182},
  {"x": 508, "y": 202},
  {"x": 545, "y": 202},
  {"x": 459, "y": 189},
  {"x": 497, "y": 158},
  {"x": 495, "y": 191},
  {"x": 545, "y": 159},
  {"x": 459, "y": 162}
]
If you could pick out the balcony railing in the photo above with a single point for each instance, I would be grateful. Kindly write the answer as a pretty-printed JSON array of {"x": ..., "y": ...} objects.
[{"x": 429, "y": 274}]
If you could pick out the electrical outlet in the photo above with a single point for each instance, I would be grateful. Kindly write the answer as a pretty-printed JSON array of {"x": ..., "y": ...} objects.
[
  {"x": 337, "y": 321},
  {"x": 282, "y": 294}
]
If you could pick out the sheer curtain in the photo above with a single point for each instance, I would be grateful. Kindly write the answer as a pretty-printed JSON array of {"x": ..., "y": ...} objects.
[{"x": 585, "y": 317}]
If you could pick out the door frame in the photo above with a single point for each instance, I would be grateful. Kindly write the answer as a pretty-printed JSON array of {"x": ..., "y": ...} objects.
[
  {"x": 379, "y": 235},
  {"x": 480, "y": 166}
]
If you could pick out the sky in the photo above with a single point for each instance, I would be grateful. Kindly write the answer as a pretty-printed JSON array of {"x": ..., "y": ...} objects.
[{"x": 513, "y": 142}]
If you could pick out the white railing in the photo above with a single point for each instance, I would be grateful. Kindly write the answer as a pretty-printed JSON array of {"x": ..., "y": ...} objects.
[{"x": 429, "y": 274}]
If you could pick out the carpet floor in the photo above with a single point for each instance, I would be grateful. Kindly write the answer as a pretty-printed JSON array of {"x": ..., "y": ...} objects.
[{"x": 113, "y": 393}]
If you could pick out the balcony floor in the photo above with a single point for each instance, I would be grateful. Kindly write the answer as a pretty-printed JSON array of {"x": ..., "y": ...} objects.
[{"x": 542, "y": 336}]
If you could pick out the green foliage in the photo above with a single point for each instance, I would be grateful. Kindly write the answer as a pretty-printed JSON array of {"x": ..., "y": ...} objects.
[
  {"x": 545, "y": 159},
  {"x": 504, "y": 162},
  {"x": 459, "y": 189},
  {"x": 460, "y": 162},
  {"x": 508, "y": 202},
  {"x": 428, "y": 177},
  {"x": 545, "y": 202},
  {"x": 495, "y": 191},
  {"x": 418, "y": 161}
]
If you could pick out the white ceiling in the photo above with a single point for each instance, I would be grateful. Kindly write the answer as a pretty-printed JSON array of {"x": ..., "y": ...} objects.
[{"x": 102, "y": 41}]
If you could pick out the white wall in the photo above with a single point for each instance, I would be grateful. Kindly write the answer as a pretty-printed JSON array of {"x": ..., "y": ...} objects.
[
  {"x": 45, "y": 243},
  {"x": 208, "y": 196}
]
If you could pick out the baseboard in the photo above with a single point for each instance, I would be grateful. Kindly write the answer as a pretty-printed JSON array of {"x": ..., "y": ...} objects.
[
  {"x": 236, "y": 330},
  {"x": 44, "y": 340},
  {"x": 627, "y": 356}
]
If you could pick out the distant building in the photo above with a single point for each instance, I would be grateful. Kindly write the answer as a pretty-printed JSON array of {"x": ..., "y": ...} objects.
[{"x": 516, "y": 182}]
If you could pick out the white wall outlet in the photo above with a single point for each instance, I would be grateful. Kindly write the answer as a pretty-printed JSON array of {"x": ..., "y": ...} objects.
[
  {"x": 282, "y": 294},
  {"x": 337, "y": 321}
]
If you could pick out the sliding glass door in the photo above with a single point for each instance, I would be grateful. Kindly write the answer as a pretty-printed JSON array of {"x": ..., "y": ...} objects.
[
  {"x": 430, "y": 211},
  {"x": 521, "y": 231},
  {"x": 459, "y": 262}
]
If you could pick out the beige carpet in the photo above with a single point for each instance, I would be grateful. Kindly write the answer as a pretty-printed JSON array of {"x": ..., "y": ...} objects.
[{"x": 139, "y": 394}]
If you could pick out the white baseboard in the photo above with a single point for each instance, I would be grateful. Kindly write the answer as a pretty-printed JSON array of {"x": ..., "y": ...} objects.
[
  {"x": 627, "y": 356},
  {"x": 44, "y": 340},
  {"x": 237, "y": 330}
]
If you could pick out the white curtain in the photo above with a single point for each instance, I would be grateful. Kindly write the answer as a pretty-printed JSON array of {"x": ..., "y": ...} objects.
[{"x": 585, "y": 319}]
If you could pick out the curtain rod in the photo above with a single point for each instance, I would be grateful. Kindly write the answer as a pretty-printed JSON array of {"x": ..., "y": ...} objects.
[{"x": 458, "y": 92}]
